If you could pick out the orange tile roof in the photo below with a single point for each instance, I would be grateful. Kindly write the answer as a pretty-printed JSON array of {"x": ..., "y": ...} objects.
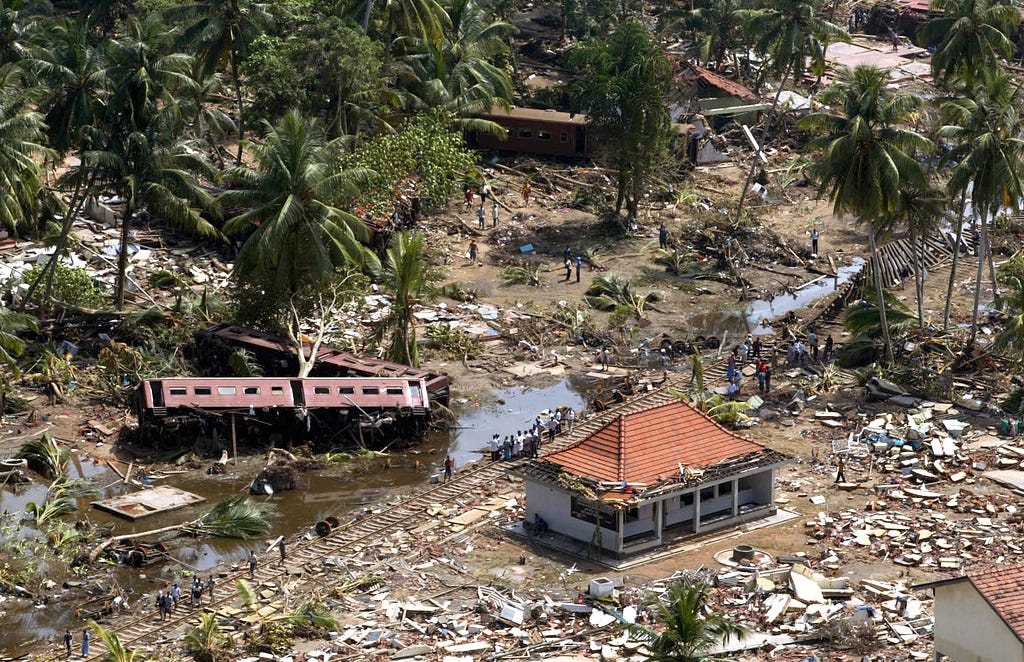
[
  {"x": 1003, "y": 589},
  {"x": 646, "y": 446}
]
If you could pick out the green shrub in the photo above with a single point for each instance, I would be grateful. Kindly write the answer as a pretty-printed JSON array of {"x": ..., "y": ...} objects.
[{"x": 71, "y": 285}]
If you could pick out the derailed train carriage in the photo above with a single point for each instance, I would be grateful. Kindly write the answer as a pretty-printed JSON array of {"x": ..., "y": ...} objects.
[{"x": 322, "y": 410}]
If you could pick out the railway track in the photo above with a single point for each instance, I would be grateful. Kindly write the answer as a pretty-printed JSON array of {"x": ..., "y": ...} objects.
[{"x": 144, "y": 627}]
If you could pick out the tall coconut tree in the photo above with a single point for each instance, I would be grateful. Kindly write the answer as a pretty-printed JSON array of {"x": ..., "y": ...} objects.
[
  {"x": 462, "y": 72},
  {"x": 292, "y": 219},
  {"x": 866, "y": 158},
  {"x": 220, "y": 31},
  {"x": 987, "y": 155},
  {"x": 791, "y": 33},
  {"x": 22, "y": 141},
  {"x": 970, "y": 36},
  {"x": 920, "y": 211},
  {"x": 712, "y": 29}
]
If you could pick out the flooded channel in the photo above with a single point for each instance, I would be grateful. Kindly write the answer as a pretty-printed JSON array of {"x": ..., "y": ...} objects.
[
  {"x": 336, "y": 490},
  {"x": 748, "y": 319}
]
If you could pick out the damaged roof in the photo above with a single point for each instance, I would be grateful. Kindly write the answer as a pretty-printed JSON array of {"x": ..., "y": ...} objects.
[
  {"x": 718, "y": 82},
  {"x": 649, "y": 445}
]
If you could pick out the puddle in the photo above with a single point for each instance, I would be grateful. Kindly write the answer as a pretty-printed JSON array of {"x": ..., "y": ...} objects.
[
  {"x": 337, "y": 490},
  {"x": 748, "y": 320}
]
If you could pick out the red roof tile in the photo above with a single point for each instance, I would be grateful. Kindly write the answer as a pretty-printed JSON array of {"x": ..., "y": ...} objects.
[
  {"x": 722, "y": 83},
  {"x": 1003, "y": 589},
  {"x": 648, "y": 445}
]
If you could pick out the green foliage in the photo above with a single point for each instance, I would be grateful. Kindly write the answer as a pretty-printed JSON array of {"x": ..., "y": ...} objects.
[
  {"x": 244, "y": 364},
  {"x": 453, "y": 342},
  {"x": 71, "y": 285},
  {"x": 235, "y": 517},
  {"x": 1011, "y": 303},
  {"x": 11, "y": 325},
  {"x": 116, "y": 651},
  {"x": 522, "y": 274},
  {"x": 615, "y": 294},
  {"x": 206, "y": 643},
  {"x": 21, "y": 143},
  {"x": 862, "y": 319},
  {"x": 690, "y": 626},
  {"x": 44, "y": 456},
  {"x": 622, "y": 84},
  {"x": 410, "y": 278},
  {"x": 675, "y": 260},
  {"x": 425, "y": 151},
  {"x": 324, "y": 67},
  {"x": 970, "y": 36},
  {"x": 53, "y": 508}
]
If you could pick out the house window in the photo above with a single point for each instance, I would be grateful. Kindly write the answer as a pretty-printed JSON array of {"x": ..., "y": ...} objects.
[
  {"x": 563, "y": 137},
  {"x": 633, "y": 514},
  {"x": 724, "y": 488},
  {"x": 686, "y": 499},
  {"x": 201, "y": 390},
  {"x": 394, "y": 390},
  {"x": 251, "y": 390},
  {"x": 346, "y": 390},
  {"x": 587, "y": 511},
  {"x": 543, "y": 135},
  {"x": 226, "y": 390},
  {"x": 370, "y": 390},
  {"x": 525, "y": 134},
  {"x": 277, "y": 390},
  {"x": 707, "y": 493},
  {"x": 322, "y": 390},
  {"x": 179, "y": 390}
]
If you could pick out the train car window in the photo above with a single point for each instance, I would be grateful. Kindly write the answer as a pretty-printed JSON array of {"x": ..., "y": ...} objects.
[
  {"x": 370, "y": 390},
  {"x": 543, "y": 135},
  {"x": 525, "y": 134},
  {"x": 563, "y": 137},
  {"x": 322, "y": 390},
  {"x": 201, "y": 390},
  {"x": 346, "y": 390},
  {"x": 251, "y": 390},
  {"x": 179, "y": 390},
  {"x": 226, "y": 390},
  {"x": 277, "y": 390},
  {"x": 394, "y": 390}
]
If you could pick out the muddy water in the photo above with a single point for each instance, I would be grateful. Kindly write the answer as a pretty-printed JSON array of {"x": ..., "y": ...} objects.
[
  {"x": 748, "y": 319},
  {"x": 337, "y": 490}
]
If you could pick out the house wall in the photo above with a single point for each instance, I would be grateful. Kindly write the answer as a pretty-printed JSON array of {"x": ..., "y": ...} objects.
[
  {"x": 968, "y": 630},
  {"x": 553, "y": 504}
]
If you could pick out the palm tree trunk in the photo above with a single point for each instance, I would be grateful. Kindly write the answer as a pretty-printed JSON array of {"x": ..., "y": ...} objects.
[
  {"x": 956, "y": 258},
  {"x": 239, "y": 104},
  {"x": 990, "y": 256},
  {"x": 122, "y": 256},
  {"x": 760, "y": 144},
  {"x": 366, "y": 16},
  {"x": 980, "y": 278},
  {"x": 876, "y": 275},
  {"x": 919, "y": 278}
]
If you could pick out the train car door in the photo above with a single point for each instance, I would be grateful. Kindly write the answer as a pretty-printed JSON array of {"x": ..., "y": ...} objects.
[
  {"x": 156, "y": 390},
  {"x": 580, "y": 143},
  {"x": 298, "y": 397}
]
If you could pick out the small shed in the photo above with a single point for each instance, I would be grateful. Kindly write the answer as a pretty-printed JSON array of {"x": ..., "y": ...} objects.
[
  {"x": 979, "y": 617},
  {"x": 663, "y": 470},
  {"x": 714, "y": 96}
]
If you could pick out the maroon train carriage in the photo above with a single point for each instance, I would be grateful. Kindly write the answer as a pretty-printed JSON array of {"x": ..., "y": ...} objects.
[{"x": 324, "y": 411}]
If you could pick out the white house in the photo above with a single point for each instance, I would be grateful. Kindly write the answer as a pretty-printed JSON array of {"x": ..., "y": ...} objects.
[
  {"x": 667, "y": 470},
  {"x": 980, "y": 617}
]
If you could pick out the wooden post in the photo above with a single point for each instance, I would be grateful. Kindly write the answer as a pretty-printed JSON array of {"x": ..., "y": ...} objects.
[{"x": 234, "y": 441}]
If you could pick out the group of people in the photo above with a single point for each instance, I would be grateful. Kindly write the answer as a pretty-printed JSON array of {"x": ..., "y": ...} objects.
[
  {"x": 526, "y": 443},
  {"x": 749, "y": 350},
  {"x": 570, "y": 263},
  {"x": 69, "y": 641},
  {"x": 798, "y": 352}
]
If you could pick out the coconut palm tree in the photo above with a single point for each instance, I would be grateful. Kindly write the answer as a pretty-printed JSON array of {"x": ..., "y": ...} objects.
[
  {"x": 714, "y": 29},
  {"x": 201, "y": 109},
  {"x": 691, "y": 627},
  {"x": 790, "y": 33},
  {"x": 73, "y": 70},
  {"x": 920, "y": 211},
  {"x": 19, "y": 24},
  {"x": 206, "y": 642},
  {"x": 986, "y": 131},
  {"x": 1011, "y": 303},
  {"x": 294, "y": 229},
  {"x": 615, "y": 293},
  {"x": 409, "y": 277},
  {"x": 22, "y": 139},
  {"x": 462, "y": 72},
  {"x": 424, "y": 19},
  {"x": 866, "y": 158},
  {"x": 971, "y": 36},
  {"x": 220, "y": 31},
  {"x": 11, "y": 346}
]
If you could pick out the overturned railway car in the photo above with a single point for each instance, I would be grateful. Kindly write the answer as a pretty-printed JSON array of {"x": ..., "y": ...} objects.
[{"x": 326, "y": 411}]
